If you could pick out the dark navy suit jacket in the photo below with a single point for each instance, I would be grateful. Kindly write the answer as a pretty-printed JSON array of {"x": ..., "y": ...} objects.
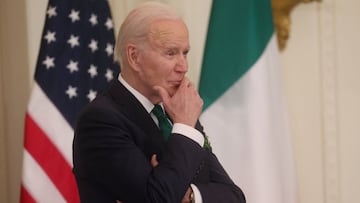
[{"x": 115, "y": 138}]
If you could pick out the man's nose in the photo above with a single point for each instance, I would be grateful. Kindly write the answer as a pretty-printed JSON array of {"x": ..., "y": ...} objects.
[{"x": 182, "y": 64}]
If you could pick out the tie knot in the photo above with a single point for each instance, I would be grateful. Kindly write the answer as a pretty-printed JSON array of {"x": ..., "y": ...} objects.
[
  {"x": 158, "y": 112},
  {"x": 164, "y": 124}
]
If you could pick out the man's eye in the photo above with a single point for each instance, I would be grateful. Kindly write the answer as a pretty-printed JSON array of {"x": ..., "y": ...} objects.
[{"x": 170, "y": 53}]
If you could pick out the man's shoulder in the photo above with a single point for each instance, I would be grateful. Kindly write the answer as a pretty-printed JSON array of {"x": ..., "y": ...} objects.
[{"x": 102, "y": 103}]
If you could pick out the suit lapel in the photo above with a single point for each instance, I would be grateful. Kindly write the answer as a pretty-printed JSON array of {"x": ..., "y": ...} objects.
[{"x": 135, "y": 112}]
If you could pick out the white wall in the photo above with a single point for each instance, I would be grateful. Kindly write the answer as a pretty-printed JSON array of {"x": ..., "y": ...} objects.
[
  {"x": 320, "y": 71},
  {"x": 302, "y": 84}
]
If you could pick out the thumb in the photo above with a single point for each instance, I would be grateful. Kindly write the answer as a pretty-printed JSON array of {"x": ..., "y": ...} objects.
[
  {"x": 154, "y": 161},
  {"x": 164, "y": 95}
]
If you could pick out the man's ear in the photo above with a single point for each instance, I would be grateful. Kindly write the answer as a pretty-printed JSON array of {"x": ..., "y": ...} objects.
[{"x": 133, "y": 56}]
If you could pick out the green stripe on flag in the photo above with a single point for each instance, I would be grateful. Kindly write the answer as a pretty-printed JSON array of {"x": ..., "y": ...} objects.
[{"x": 238, "y": 32}]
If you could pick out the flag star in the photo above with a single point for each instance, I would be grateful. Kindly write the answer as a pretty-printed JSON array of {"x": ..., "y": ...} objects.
[
  {"x": 91, "y": 95},
  {"x": 93, "y": 45},
  {"x": 109, "y": 49},
  {"x": 49, "y": 62},
  {"x": 73, "y": 41},
  {"x": 74, "y": 15},
  {"x": 71, "y": 92},
  {"x": 109, "y": 75},
  {"x": 50, "y": 37},
  {"x": 51, "y": 11},
  {"x": 92, "y": 71},
  {"x": 73, "y": 66},
  {"x": 93, "y": 19},
  {"x": 109, "y": 24}
]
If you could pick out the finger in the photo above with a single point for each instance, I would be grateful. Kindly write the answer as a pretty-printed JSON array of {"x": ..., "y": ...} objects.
[
  {"x": 164, "y": 95},
  {"x": 154, "y": 161},
  {"x": 191, "y": 85},
  {"x": 184, "y": 83}
]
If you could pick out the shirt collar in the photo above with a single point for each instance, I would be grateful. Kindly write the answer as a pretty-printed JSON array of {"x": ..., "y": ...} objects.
[{"x": 141, "y": 98}]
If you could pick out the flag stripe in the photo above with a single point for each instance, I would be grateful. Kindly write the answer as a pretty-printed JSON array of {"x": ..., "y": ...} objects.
[
  {"x": 256, "y": 131},
  {"x": 51, "y": 122},
  {"x": 56, "y": 167},
  {"x": 37, "y": 183},
  {"x": 245, "y": 115},
  {"x": 25, "y": 196},
  {"x": 74, "y": 64},
  {"x": 233, "y": 21}
]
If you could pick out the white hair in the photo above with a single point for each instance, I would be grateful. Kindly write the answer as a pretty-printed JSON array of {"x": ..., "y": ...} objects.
[{"x": 136, "y": 26}]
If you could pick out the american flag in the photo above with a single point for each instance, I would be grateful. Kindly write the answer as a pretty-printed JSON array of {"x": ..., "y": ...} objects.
[{"x": 74, "y": 64}]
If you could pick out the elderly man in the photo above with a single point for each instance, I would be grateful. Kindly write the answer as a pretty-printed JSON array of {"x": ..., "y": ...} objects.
[{"x": 126, "y": 148}]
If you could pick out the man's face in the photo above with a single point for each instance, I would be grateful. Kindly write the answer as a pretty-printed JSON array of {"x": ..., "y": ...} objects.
[{"x": 163, "y": 62}]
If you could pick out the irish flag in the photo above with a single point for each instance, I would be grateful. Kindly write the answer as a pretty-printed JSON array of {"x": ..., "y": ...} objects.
[{"x": 244, "y": 110}]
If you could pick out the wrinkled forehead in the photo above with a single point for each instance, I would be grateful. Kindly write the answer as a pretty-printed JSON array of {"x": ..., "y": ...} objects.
[{"x": 168, "y": 30}]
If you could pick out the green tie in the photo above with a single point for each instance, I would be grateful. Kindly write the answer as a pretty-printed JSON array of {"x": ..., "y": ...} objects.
[{"x": 164, "y": 124}]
